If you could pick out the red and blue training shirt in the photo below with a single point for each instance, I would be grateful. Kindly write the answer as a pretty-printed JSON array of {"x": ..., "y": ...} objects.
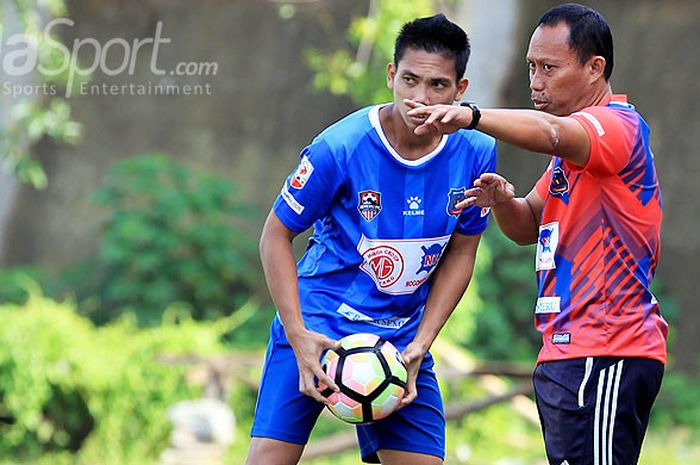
[{"x": 599, "y": 242}]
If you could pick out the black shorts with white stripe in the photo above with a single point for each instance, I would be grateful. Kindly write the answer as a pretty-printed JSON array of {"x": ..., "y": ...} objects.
[{"x": 595, "y": 411}]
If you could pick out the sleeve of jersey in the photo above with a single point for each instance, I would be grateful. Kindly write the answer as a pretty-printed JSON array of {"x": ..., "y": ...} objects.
[
  {"x": 473, "y": 220},
  {"x": 542, "y": 185},
  {"x": 611, "y": 137},
  {"x": 307, "y": 193}
]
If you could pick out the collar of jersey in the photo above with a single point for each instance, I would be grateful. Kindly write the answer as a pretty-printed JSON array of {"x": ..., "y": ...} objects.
[
  {"x": 619, "y": 100},
  {"x": 374, "y": 119}
]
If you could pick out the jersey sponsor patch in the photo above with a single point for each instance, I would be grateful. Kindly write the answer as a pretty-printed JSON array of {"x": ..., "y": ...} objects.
[
  {"x": 353, "y": 314},
  {"x": 291, "y": 201},
  {"x": 302, "y": 174},
  {"x": 369, "y": 204},
  {"x": 456, "y": 195},
  {"x": 547, "y": 246},
  {"x": 400, "y": 266},
  {"x": 548, "y": 305},
  {"x": 431, "y": 257},
  {"x": 561, "y": 338}
]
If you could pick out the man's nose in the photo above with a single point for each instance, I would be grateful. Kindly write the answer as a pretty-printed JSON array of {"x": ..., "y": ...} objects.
[
  {"x": 536, "y": 82},
  {"x": 421, "y": 95}
]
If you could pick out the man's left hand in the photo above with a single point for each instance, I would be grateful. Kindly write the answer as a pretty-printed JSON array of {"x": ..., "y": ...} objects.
[{"x": 413, "y": 358}]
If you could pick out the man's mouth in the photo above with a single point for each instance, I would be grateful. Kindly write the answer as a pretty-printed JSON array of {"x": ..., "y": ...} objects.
[{"x": 539, "y": 104}]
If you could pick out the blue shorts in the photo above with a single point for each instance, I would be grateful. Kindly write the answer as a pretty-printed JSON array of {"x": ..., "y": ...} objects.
[
  {"x": 285, "y": 414},
  {"x": 595, "y": 411}
]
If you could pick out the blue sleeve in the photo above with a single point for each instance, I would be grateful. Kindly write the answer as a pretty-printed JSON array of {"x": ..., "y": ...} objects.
[
  {"x": 473, "y": 220},
  {"x": 307, "y": 193}
]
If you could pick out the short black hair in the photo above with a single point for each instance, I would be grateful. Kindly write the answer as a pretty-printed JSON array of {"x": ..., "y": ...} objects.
[
  {"x": 434, "y": 34},
  {"x": 589, "y": 32}
]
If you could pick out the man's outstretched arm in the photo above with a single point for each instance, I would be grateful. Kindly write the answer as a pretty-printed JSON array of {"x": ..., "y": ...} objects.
[{"x": 531, "y": 130}]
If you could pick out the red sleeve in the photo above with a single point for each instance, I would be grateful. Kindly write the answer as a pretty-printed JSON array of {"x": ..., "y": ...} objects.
[
  {"x": 611, "y": 135},
  {"x": 542, "y": 185}
]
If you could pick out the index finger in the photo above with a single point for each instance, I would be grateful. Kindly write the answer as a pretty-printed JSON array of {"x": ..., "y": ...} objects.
[
  {"x": 323, "y": 378},
  {"x": 412, "y": 103}
]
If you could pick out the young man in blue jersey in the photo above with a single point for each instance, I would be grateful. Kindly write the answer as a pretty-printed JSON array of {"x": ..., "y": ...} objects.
[{"x": 391, "y": 253}]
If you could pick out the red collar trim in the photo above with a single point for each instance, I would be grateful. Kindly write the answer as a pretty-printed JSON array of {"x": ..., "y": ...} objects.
[{"x": 614, "y": 98}]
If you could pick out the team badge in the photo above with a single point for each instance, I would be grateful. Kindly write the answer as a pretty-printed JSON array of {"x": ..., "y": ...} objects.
[
  {"x": 456, "y": 195},
  {"x": 370, "y": 204},
  {"x": 431, "y": 256},
  {"x": 559, "y": 185},
  {"x": 302, "y": 174}
]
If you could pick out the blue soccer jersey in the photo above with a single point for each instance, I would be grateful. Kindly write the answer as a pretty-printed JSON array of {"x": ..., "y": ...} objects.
[{"x": 381, "y": 223}]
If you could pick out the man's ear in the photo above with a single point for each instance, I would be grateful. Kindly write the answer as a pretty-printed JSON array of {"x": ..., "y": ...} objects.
[
  {"x": 390, "y": 75},
  {"x": 596, "y": 67},
  {"x": 462, "y": 86}
]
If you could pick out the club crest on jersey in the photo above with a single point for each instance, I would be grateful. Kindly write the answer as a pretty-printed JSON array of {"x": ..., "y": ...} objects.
[
  {"x": 370, "y": 204},
  {"x": 559, "y": 185},
  {"x": 456, "y": 195},
  {"x": 431, "y": 256},
  {"x": 302, "y": 174}
]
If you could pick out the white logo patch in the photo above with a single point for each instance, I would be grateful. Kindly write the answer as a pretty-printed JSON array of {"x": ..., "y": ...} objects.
[
  {"x": 414, "y": 208},
  {"x": 354, "y": 315},
  {"x": 547, "y": 246},
  {"x": 400, "y": 266},
  {"x": 302, "y": 174},
  {"x": 548, "y": 305},
  {"x": 291, "y": 201}
]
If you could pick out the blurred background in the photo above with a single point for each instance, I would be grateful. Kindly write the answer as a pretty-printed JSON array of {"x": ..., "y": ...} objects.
[{"x": 141, "y": 146}]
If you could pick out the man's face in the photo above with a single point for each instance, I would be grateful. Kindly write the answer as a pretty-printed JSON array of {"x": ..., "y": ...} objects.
[
  {"x": 427, "y": 78},
  {"x": 560, "y": 84}
]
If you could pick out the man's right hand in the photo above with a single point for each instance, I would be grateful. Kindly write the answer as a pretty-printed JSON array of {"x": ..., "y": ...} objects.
[
  {"x": 308, "y": 347},
  {"x": 489, "y": 190}
]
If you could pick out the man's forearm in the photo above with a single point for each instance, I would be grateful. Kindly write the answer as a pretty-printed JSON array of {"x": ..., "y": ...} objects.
[
  {"x": 517, "y": 220},
  {"x": 449, "y": 283}
]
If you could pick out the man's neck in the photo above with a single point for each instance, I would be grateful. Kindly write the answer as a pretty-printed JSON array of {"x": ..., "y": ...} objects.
[
  {"x": 406, "y": 143},
  {"x": 601, "y": 94}
]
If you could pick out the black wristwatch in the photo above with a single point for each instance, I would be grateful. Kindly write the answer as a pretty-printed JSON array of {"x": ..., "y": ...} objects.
[{"x": 476, "y": 114}]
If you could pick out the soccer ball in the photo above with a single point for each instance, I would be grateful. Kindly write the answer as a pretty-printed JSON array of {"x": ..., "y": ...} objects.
[{"x": 371, "y": 376}]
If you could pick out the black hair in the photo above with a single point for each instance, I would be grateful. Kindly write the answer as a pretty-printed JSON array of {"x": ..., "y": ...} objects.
[
  {"x": 589, "y": 32},
  {"x": 434, "y": 34}
]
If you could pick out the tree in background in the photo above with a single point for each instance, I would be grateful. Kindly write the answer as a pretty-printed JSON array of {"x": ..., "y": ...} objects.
[{"x": 42, "y": 113}]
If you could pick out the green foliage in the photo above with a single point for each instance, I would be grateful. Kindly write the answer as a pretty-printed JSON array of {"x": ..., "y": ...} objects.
[
  {"x": 494, "y": 318},
  {"x": 17, "y": 283},
  {"x": 361, "y": 74},
  {"x": 507, "y": 286},
  {"x": 172, "y": 236},
  {"x": 43, "y": 114},
  {"x": 66, "y": 386},
  {"x": 678, "y": 402}
]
